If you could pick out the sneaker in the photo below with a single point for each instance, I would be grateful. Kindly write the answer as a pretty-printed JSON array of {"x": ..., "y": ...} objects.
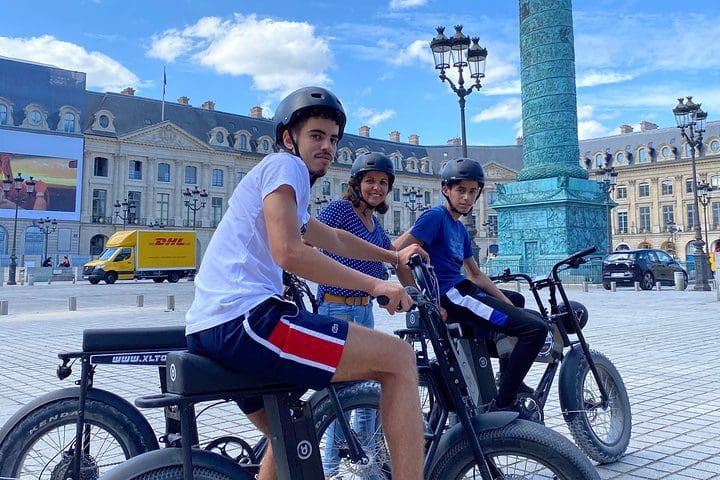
[{"x": 524, "y": 390}]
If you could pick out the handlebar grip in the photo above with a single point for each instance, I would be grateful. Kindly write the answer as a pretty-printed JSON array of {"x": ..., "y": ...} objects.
[
  {"x": 415, "y": 260},
  {"x": 382, "y": 300},
  {"x": 587, "y": 251}
]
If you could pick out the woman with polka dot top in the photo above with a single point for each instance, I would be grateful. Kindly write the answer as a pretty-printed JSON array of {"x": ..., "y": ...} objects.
[{"x": 371, "y": 178}]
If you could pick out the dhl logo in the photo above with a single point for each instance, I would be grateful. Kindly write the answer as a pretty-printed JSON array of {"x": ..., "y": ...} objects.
[{"x": 170, "y": 241}]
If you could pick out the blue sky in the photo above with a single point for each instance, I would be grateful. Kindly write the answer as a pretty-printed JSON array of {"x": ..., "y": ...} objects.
[{"x": 633, "y": 57}]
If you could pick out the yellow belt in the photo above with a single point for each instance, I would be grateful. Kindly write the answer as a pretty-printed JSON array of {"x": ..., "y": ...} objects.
[{"x": 350, "y": 301}]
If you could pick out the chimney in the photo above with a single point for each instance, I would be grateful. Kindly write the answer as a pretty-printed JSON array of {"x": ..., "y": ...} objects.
[
  {"x": 454, "y": 141},
  {"x": 645, "y": 126},
  {"x": 625, "y": 129},
  {"x": 364, "y": 131},
  {"x": 129, "y": 91},
  {"x": 209, "y": 105},
  {"x": 256, "y": 112},
  {"x": 518, "y": 140},
  {"x": 414, "y": 139},
  {"x": 184, "y": 100},
  {"x": 394, "y": 136}
]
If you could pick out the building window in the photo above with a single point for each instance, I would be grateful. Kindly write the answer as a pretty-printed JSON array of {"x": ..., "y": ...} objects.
[
  {"x": 668, "y": 215},
  {"x": 266, "y": 145},
  {"x": 162, "y": 208},
  {"x": 135, "y": 170},
  {"x": 396, "y": 222},
  {"x": 97, "y": 244},
  {"x": 491, "y": 197},
  {"x": 622, "y": 222},
  {"x": 396, "y": 194},
  {"x": 715, "y": 181},
  {"x": 190, "y": 175},
  {"x": 134, "y": 199},
  {"x": 69, "y": 122},
  {"x": 217, "y": 210},
  {"x": 104, "y": 121},
  {"x": 715, "y": 216},
  {"x": 667, "y": 187},
  {"x": 326, "y": 188},
  {"x": 688, "y": 150},
  {"x": 644, "y": 219},
  {"x": 644, "y": 190},
  {"x": 343, "y": 188},
  {"x": 665, "y": 151},
  {"x": 714, "y": 145},
  {"x": 239, "y": 176},
  {"x": 163, "y": 172},
  {"x": 642, "y": 155},
  {"x": 621, "y": 192},
  {"x": 35, "y": 118},
  {"x": 427, "y": 198},
  {"x": 598, "y": 160},
  {"x": 620, "y": 157},
  {"x": 3, "y": 114},
  {"x": 397, "y": 162},
  {"x": 219, "y": 138},
  {"x": 99, "y": 200},
  {"x": 492, "y": 225},
  {"x": 100, "y": 167},
  {"x": 242, "y": 142},
  {"x": 690, "y": 215},
  {"x": 34, "y": 241},
  {"x": 217, "y": 177}
]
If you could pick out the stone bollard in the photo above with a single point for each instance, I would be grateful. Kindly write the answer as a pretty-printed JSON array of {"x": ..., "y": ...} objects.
[
  {"x": 613, "y": 286},
  {"x": 3, "y": 307},
  {"x": 50, "y": 280},
  {"x": 170, "y": 303},
  {"x": 31, "y": 279},
  {"x": 658, "y": 286},
  {"x": 637, "y": 286},
  {"x": 585, "y": 286},
  {"x": 517, "y": 286},
  {"x": 717, "y": 289},
  {"x": 679, "y": 280},
  {"x": 140, "y": 300},
  {"x": 72, "y": 304}
]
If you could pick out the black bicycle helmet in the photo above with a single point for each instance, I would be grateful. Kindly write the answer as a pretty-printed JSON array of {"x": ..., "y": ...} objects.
[
  {"x": 580, "y": 311},
  {"x": 463, "y": 169},
  {"x": 306, "y": 98},
  {"x": 373, "y": 162}
]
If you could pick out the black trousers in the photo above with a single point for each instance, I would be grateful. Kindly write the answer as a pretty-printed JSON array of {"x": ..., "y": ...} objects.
[{"x": 468, "y": 304}]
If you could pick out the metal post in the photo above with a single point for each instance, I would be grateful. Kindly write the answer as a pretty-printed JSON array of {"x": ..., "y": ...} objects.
[
  {"x": 13, "y": 257},
  {"x": 3, "y": 307},
  {"x": 72, "y": 304}
]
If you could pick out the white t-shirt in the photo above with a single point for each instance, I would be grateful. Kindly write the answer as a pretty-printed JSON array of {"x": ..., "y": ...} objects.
[{"x": 237, "y": 271}]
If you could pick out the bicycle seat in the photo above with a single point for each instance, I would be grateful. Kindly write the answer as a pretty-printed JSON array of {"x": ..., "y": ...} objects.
[
  {"x": 134, "y": 339},
  {"x": 190, "y": 374}
]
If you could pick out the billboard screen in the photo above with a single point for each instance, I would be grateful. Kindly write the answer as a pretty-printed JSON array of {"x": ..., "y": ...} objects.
[{"x": 54, "y": 162}]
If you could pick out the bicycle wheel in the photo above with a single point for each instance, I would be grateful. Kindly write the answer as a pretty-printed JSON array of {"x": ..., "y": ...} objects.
[
  {"x": 602, "y": 433},
  {"x": 520, "y": 449},
  {"x": 361, "y": 405},
  {"x": 166, "y": 464},
  {"x": 41, "y": 446}
]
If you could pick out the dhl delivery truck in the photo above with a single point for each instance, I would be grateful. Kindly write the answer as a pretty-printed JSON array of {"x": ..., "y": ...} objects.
[{"x": 156, "y": 254}]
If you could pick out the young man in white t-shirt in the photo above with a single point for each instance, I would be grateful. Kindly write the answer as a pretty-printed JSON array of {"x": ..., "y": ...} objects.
[{"x": 238, "y": 316}]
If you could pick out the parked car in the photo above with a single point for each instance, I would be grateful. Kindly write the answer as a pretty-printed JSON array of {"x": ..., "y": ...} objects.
[{"x": 646, "y": 266}]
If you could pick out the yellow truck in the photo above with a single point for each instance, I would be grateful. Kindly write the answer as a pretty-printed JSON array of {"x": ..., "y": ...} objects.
[{"x": 156, "y": 254}]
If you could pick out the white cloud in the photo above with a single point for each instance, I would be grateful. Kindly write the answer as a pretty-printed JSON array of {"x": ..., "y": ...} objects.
[
  {"x": 169, "y": 46},
  {"x": 595, "y": 78},
  {"x": 103, "y": 72},
  {"x": 510, "y": 109},
  {"x": 403, "y": 4},
  {"x": 416, "y": 51},
  {"x": 592, "y": 129},
  {"x": 371, "y": 118},
  {"x": 279, "y": 56}
]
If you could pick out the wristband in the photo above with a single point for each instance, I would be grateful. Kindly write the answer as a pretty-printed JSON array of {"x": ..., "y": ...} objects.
[{"x": 397, "y": 260}]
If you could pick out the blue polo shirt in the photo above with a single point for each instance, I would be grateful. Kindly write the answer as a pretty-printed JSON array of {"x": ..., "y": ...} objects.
[{"x": 447, "y": 243}]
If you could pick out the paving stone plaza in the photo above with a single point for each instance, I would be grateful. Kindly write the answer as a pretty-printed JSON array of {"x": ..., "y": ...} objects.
[{"x": 665, "y": 345}]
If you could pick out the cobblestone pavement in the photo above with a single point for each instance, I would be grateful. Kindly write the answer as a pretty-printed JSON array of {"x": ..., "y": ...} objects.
[{"x": 665, "y": 345}]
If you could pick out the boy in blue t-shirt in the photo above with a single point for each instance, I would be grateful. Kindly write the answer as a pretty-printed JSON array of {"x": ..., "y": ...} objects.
[{"x": 473, "y": 297}]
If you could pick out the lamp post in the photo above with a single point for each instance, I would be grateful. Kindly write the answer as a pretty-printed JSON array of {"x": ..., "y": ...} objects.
[
  {"x": 194, "y": 201},
  {"x": 458, "y": 50},
  {"x": 128, "y": 211},
  {"x": 47, "y": 226},
  {"x": 606, "y": 176},
  {"x": 690, "y": 120},
  {"x": 673, "y": 230},
  {"x": 16, "y": 184},
  {"x": 704, "y": 200},
  {"x": 413, "y": 202},
  {"x": 320, "y": 203}
]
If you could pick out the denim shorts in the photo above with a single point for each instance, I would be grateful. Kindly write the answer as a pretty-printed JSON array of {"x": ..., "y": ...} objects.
[{"x": 276, "y": 342}]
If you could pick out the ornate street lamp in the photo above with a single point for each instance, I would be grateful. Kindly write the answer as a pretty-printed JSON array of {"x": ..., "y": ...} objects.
[
  {"x": 606, "y": 176},
  {"x": 414, "y": 202},
  {"x": 705, "y": 200},
  {"x": 16, "y": 184},
  {"x": 194, "y": 201},
  {"x": 672, "y": 229},
  {"x": 690, "y": 120},
  {"x": 47, "y": 226},
  {"x": 128, "y": 211},
  {"x": 462, "y": 55},
  {"x": 320, "y": 203}
]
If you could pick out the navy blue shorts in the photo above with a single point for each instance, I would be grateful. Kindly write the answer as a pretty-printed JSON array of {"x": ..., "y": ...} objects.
[{"x": 276, "y": 342}]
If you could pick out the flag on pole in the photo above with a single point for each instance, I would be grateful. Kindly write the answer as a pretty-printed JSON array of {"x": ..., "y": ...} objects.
[{"x": 162, "y": 112}]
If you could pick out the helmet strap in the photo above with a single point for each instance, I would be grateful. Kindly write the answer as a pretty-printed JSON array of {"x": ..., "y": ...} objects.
[{"x": 296, "y": 152}]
